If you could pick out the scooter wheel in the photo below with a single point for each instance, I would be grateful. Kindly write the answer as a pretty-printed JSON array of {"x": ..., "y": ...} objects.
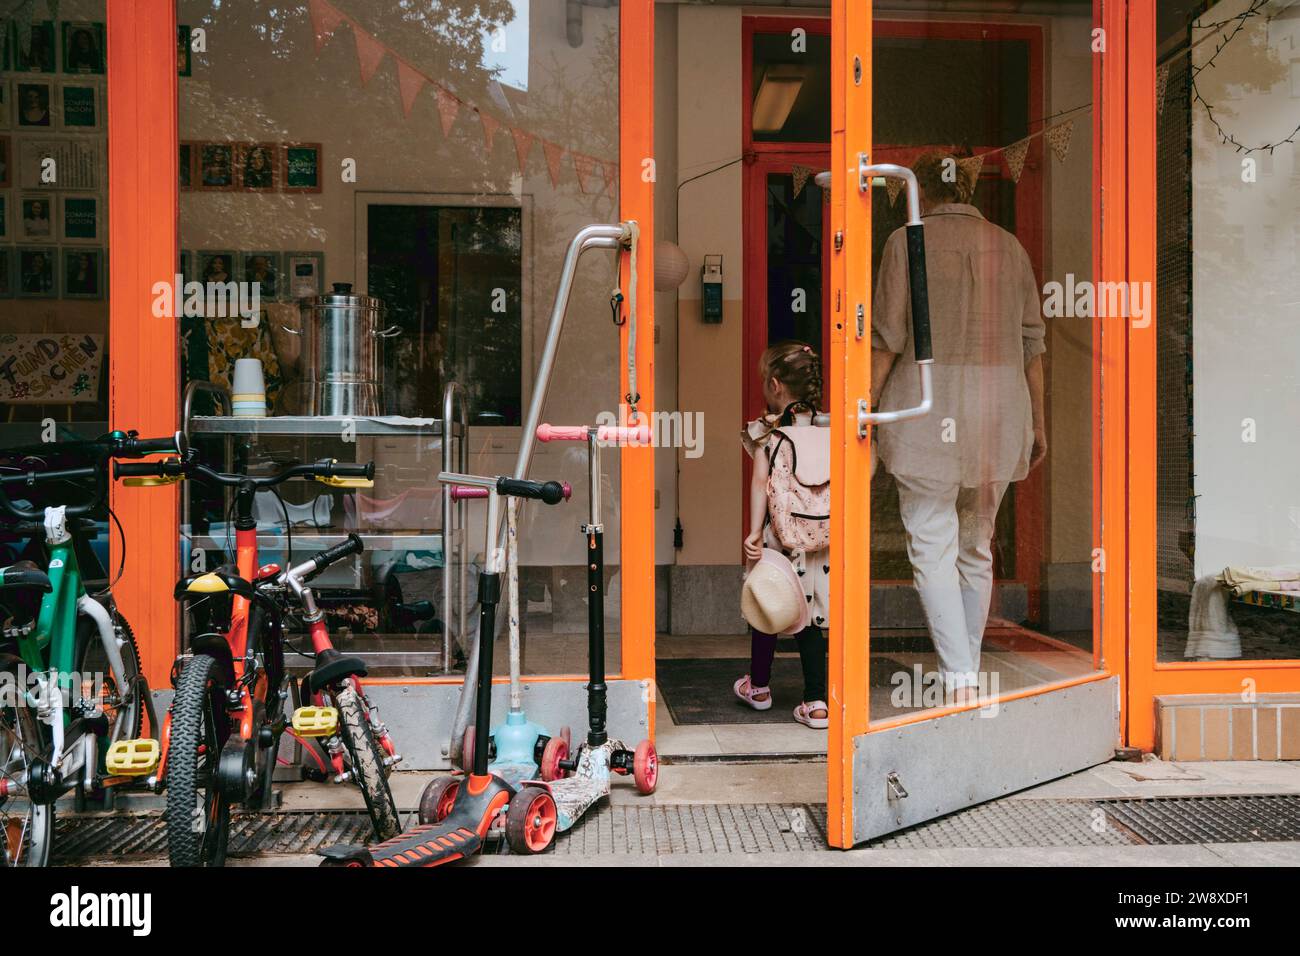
[
  {"x": 531, "y": 821},
  {"x": 438, "y": 798},
  {"x": 645, "y": 767},
  {"x": 567, "y": 736},
  {"x": 557, "y": 749}
]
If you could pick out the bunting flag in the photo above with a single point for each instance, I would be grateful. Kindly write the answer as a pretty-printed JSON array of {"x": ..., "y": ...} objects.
[
  {"x": 523, "y": 146},
  {"x": 611, "y": 178},
  {"x": 1058, "y": 137},
  {"x": 370, "y": 53},
  {"x": 448, "y": 107},
  {"x": 409, "y": 81},
  {"x": 1015, "y": 156},
  {"x": 554, "y": 154},
  {"x": 973, "y": 166},
  {"x": 585, "y": 167},
  {"x": 893, "y": 186},
  {"x": 1162, "y": 85},
  {"x": 325, "y": 19},
  {"x": 800, "y": 174},
  {"x": 490, "y": 125}
]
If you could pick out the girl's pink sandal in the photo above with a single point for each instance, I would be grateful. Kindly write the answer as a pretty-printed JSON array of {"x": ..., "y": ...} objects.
[
  {"x": 747, "y": 693},
  {"x": 804, "y": 714}
]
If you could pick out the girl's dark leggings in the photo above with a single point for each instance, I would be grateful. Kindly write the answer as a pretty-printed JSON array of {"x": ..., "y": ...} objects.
[{"x": 812, "y": 658}]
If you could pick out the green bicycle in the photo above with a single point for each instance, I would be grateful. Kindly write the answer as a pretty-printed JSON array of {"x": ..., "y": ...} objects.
[{"x": 72, "y": 696}]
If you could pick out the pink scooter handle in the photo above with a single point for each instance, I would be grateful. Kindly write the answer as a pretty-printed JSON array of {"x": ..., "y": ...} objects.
[
  {"x": 606, "y": 434},
  {"x": 465, "y": 492}
]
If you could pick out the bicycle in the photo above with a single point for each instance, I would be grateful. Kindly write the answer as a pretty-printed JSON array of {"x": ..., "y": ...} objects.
[
  {"x": 73, "y": 694},
  {"x": 223, "y": 730}
]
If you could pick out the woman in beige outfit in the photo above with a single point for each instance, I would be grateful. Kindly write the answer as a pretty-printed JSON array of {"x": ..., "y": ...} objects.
[{"x": 986, "y": 429}]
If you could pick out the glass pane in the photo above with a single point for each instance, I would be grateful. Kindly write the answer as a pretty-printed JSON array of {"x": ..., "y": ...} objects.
[
  {"x": 431, "y": 162},
  {"x": 791, "y": 76},
  {"x": 794, "y": 260},
  {"x": 981, "y": 548},
  {"x": 53, "y": 241},
  {"x": 1228, "y": 475}
]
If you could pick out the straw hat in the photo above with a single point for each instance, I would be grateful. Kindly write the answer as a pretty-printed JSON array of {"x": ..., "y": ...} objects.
[{"x": 773, "y": 600}]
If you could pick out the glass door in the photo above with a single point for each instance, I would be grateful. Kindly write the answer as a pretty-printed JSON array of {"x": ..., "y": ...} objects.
[{"x": 972, "y": 465}]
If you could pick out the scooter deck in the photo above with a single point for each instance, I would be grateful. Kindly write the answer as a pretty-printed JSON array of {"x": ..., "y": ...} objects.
[{"x": 428, "y": 844}]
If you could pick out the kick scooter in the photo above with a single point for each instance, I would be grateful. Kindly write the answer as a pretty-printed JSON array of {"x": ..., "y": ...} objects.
[
  {"x": 596, "y": 757},
  {"x": 471, "y": 804}
]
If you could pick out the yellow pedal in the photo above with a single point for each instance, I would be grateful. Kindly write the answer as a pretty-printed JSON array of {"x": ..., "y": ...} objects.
[
  {"x": 133, "y": 758},
  {"x": 315, "y": 721}
]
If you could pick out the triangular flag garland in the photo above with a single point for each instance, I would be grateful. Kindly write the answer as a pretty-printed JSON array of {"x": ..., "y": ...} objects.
[
  {"x": 554, "y": 154},
  {"x": 325, "y": 21},
  {"x": 1058, "y": 137},
  {"x": 1162, "y": 85},
  {"x": 1015, "y": 156},
  {"x": 409, "y": 82},
  {"x": 800, "y": 174},
  {"x": 972, "y": 165}
]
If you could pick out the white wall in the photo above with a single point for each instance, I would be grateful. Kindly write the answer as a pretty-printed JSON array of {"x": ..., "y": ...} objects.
[{"x": 1246, "y": 301}]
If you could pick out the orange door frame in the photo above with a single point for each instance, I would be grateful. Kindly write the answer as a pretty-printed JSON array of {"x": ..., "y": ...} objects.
[
  {"x": 143, "y": 350},
  {"x": 144, "y": 390}
]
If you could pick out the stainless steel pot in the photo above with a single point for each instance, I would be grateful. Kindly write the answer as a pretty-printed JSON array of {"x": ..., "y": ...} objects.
[{"x": 343, "y": 352}]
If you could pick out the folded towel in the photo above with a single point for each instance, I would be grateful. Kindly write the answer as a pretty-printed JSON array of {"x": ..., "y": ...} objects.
[
  {"x": 1242, "y": 579},
  {"x": 1210, "y": 630}
]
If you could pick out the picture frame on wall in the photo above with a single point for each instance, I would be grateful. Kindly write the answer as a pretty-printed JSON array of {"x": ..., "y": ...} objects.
[
  {"x": 39, "y": 55},
  {"x": 187, "y": 163},
  {"x": 264, "y": 268},
  {"x": 7, "y": 260},
  {"x": 36, "y": 217},
  {"x": 33, "y": 104},
  {"x": 35, "y": 272},
  {"x": 83, "y": 47},
  {"x": 304, "y": 275},
  {"x": 83, "y": 273},
  {"x": 6, "y": 162},
  {"x": 257, "y": 166},
  {"x": 79, "y": 105},
  {"x": 214, "y": 265},
  {"x": 302, "y": 167},
  {"x": 184, "y": 56},
  {"x": 216, "y": 168},
  {"x": 79, "y": 218}
]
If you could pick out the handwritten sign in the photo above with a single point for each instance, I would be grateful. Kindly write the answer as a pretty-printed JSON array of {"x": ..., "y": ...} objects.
[{"x": 54, "y": 368}]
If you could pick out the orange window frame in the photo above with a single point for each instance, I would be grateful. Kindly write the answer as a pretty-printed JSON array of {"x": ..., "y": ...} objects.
[{"x": 144, "y": 391}]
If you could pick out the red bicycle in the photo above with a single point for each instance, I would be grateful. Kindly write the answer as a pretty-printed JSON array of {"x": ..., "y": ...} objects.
[{"x": 222, "y": 732}]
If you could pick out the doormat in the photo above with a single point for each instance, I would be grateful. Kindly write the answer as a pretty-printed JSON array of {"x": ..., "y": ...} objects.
[{"x": 698, "y": 691}]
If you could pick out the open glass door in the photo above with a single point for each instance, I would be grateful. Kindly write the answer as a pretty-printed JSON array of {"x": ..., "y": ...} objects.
[{"x": 970, "y": 565}]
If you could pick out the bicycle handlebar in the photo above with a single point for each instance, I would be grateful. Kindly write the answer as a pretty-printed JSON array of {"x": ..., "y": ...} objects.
[
  {"x": 353, "y": 545},
  {"x": 547, "y": 492},
  {"x": 190, "y": 468}
]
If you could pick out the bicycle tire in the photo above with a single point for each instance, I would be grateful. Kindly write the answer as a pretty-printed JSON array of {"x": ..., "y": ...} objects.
[
  {"x": 367, "y": 764},
  {"x": 35, "y": 842},
  {"x": 198, "y": 813}
]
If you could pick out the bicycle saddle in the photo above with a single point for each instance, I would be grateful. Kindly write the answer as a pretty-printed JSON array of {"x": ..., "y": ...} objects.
[
  {"x": 332, "y": 666},
  {"x": 24, "y": 575},
  {"x": 223, "y": 580}
]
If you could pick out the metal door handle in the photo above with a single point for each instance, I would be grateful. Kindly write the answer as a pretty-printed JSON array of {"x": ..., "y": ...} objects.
[{"x": 916, "y": 276}]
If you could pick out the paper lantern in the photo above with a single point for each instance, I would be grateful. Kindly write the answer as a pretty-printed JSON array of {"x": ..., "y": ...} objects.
[{"x": 671, "y": 265}]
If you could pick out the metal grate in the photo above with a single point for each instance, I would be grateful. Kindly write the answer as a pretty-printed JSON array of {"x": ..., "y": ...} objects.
[{"x": 753, "y": 828}]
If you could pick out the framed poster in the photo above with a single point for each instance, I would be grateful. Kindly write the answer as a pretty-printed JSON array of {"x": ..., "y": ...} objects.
[
  {"x": 69, "y": 370},
  {"x": 256, "y": 163},
  {"x": 303, "y": 274},
  {"x": 217, "y": 166},
  {"x": 34, "y": 99},
  {"x": 36, "y": 272},
  {"x": 80, "y": 219},
  {"x": 80, "y": 106},
  {"x": 302, "y": 168},
  {"x": 215, "y": 265},
  {"x": 83, "y": 47},
  {"x": 83, "y": 273},
  {"x": 7, "y": 261},
  {"x": 6, "y": 162},
  {"x": 36, "y": 218},
  {"x": 262, "y": 268},
  {"x": 79, "y": 160},
  {"x": 184, "y": 60},
  {"x": 186, "y": 160},
  {"x": 37, "y": 55}
]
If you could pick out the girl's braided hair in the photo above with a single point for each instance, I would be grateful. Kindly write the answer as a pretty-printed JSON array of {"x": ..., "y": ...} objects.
[{"x": 796, "y": 366}]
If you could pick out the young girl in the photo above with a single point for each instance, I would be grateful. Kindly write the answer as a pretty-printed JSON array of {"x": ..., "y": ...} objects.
[{"x": 792, "y": 387}]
